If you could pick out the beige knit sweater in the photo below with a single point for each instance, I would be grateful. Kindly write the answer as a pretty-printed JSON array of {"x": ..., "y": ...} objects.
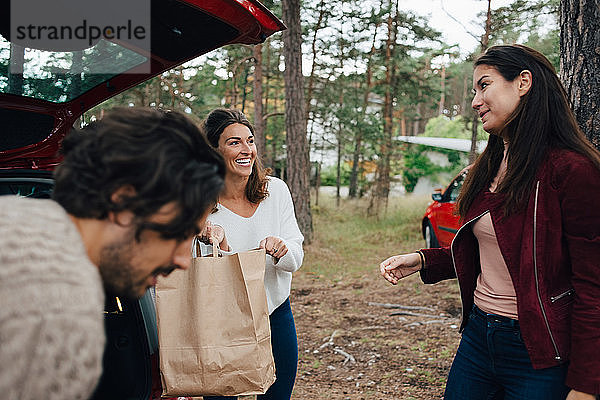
[{"x": 51, "y": 305}]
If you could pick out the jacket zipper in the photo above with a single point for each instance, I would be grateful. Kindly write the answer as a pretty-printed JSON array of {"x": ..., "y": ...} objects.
[
  {"x": 535, "y": 270},
  {"x": 560, "y": 296},
  {"x": 462, "y": 305}
]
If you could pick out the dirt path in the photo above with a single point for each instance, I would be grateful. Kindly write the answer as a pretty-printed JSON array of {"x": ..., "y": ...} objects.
[{"x": 352, "y": 348}]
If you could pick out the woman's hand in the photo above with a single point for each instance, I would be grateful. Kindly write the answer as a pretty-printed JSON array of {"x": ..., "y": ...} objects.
[
  {"x": 274, "y": 246},
  {"x": 397, "y": 267},
  {"x": 214, "y": 234},
  {"x": 575, "y": 395}
]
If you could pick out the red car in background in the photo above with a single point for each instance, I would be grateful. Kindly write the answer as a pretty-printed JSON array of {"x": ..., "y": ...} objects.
[
  {"x": 40, "y": 104},
  {"x": 440, "y": 223}
]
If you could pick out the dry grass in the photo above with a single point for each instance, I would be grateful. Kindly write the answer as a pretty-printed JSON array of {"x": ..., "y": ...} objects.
[{"x": 348, "y": 243}]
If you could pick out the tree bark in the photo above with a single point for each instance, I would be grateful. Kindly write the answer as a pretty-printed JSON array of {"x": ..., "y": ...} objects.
[
  {"x": 338, "y": 180},
  {"x": 580, "y": 62},
  {"x": 473, "y": 150},
  {"x": 485, "y": 41},
  {"x": 295, "y": 122},
  {"x": 234, "y": 78},
  {"x": 269, "y": 158},
  {"x": 465, "y": 96},
  {"x": 317, "y": 183},
  {"x": 311, "y": 77},
  {"x": 259, "y": 121},
  {"x": 415, "y": 126},
  {"x": 442, "y": 91},
  {"x": 244, "y": 91},
  {"x": 382, "y": 185},
  {"x": 353, "y": 187}
]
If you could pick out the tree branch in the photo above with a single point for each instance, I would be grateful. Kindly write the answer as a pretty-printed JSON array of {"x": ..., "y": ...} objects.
[
  {"x": 460, "y": 23},
  {"x": 272, "y": 114}
]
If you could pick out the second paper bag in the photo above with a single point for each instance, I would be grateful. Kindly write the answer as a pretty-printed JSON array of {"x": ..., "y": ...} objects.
[{"x": 213, "y": 327}]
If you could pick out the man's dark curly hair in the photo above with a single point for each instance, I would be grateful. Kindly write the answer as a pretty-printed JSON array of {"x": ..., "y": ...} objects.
[{"x": 161, "y": 155}]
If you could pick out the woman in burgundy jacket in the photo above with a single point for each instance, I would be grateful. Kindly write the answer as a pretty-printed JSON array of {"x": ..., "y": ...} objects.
[{"x": 527, "y": 255}]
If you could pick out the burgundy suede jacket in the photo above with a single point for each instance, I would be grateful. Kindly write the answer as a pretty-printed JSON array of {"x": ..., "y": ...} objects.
[{"x": 552, "y": 251}]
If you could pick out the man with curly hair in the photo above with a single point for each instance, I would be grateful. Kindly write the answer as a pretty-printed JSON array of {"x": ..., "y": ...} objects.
[{"x": 131, "y": 193}]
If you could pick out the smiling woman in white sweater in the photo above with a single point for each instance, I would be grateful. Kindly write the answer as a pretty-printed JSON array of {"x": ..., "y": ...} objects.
[
  {"x": 273, "y": 217},
  {"x": 255, "y": 210}
]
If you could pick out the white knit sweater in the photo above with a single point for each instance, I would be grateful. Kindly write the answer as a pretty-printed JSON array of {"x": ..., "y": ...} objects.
[
  {"x": 52, "y": 301},
  {"x": 273, "y": 217}
]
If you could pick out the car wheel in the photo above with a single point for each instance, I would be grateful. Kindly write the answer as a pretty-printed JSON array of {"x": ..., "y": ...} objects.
[{"x": 430, "y": 238}]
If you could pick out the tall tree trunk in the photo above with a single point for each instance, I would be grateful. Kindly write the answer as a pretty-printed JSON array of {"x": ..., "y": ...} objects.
[
  {"x": 353, "y": 188},
  {"x": 442, "y": 90},
  {"x": 269, "y": 158},
  {"x": 579, "y": 62},
  {"x": 317, "y": 182},
  {"x": 417, "y": 120},
  {"x": 244, "y": 91},
  {"x": 158, "y": 90},
  {"x": 273, "y": 157},
  {"x": 340, "y": 133},
  {"x": 403, "y": 124},
  {"x": 173, "y": 95},
  {"x": 338, "y": 180},
  {"x": 295, "y": 122},
  {"x": 473, "y": 150},
  {"x": 416, "y": 129},
  {"x": 311, "y": 77},
  {"x": 234, "y": 80},
  {"x": 485, "y": 41},
  {"x": 259, "y": 122},
  {"x": 463, "y": 104},
  {"x": 382, "y": 184}
]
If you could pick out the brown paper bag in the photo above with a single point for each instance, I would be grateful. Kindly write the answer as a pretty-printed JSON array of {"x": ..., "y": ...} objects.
[{"x": 213, "y": 327}]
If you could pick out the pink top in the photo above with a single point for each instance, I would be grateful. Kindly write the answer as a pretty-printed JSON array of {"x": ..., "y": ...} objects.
[{"x": 495, "y": 292}]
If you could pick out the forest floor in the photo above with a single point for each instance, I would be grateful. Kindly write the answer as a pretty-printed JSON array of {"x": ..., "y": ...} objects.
[
  {"x": 353, "y": 347},
  {"x": 354, "y": 340}
]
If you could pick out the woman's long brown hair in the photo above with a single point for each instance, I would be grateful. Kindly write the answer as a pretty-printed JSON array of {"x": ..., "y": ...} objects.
[
  {"x": 542, "y": 121},
  {"x": 213, "y": 127}
]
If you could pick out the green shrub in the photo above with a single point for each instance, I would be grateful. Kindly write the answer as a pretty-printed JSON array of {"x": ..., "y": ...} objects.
[
  {"x": 458, "y": 127},
  {"x": 329, "y": 175},
  {"x": 417, "y": 164}
]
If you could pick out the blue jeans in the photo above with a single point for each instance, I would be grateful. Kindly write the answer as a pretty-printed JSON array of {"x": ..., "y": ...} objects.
[
  {"x": 285, "y": 353},
  {"x": 492, "y": 364}
]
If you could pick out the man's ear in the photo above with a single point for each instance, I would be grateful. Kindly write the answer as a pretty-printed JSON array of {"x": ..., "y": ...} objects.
[
  {"x": 525, "y": 82},
  {"x": 122, "y": 193},
  {"x": 122, "y": 218}
]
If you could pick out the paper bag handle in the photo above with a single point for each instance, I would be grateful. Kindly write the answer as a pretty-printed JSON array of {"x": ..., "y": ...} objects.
[{"x": 196, "y": 249}]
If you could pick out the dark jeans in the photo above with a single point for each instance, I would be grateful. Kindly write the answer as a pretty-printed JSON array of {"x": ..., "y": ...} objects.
[
  {"x": 492, "y": 363},
  {"x": 285, "y": 353}
]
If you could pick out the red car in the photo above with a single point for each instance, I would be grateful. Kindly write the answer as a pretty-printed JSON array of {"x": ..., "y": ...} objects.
[
  {"x": 440, "y": 223},
  {"x": 40, "y": 103}
]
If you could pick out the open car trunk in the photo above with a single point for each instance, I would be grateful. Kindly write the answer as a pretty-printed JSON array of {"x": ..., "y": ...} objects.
[{"x": 40, "y": 104}]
